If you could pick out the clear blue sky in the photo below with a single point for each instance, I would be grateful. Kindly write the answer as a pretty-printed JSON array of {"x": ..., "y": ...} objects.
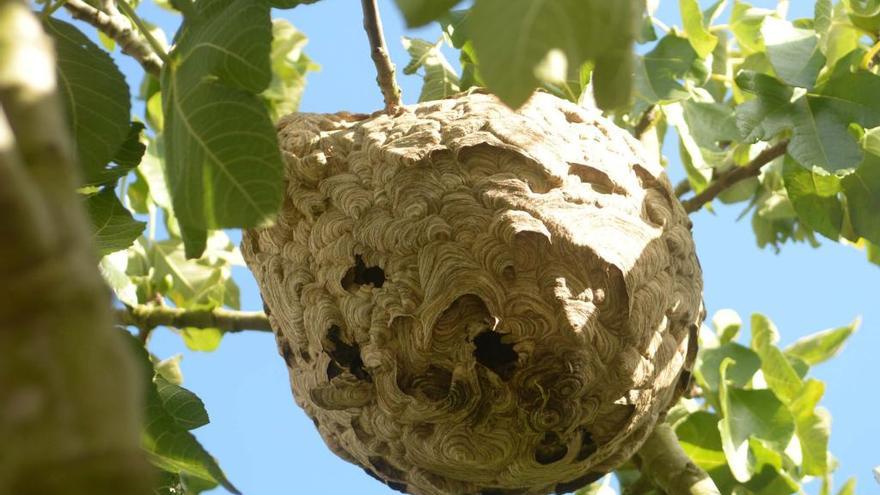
[{"x": 267, "y": 445}]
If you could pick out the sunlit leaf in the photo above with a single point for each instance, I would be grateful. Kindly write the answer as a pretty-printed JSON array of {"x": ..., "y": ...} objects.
[
  {"x": 222, "y": 158},
  {"x": 186, "y": 408},
  {"x": 512, "y": 37},
  {"x": 440, "y": 80},
  {"x": 112, "y": 224},
  {"x": 420, "y": 12},
  {"x": 793, "y": 52},
  {"x": 822, "y": 346},
  {"x": 290, "y": 65},
  {"x": 697, "y": 33},
  {"x": 780, "y": 376}
]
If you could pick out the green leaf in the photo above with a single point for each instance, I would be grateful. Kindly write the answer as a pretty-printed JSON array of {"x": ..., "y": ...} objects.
[
  {"x": 112, "y": 224},
  {"x": 222, "y": 158},
  {"x": 862, "y": 189},
  {"x": 186, "y": 408},
  {"x": 96, "y": 99},
  {"x": 658, "y": 72},
  {"x": 169, "y": 369},
  {"x": 793, "y": 52},
  {"x": 823, "y": 13},
  {"x": 814, "y": 195},
  {"x": 202, "y": 339},
  {"x": 285, "y": 4},
  {"x": 727, "y": 324},
  {"x": 813, "y": 426},
  {"x": 745, "y": 363},
  {"x": 440, "y": 80},
  {"x": 849, "y": 488},
  {"x": 767, "y": 115},
  {"x": 747, "y": 414},
  {"x": 173, "y": 448},
  {"x": 513, "y": 37},
  {"x": 420, "y": 12},
  {"x": 822, "y": 346},
  {"x": 699, "y": 437},
  {"x": 694, "y": 27},
  {"x": 780, "y": 376},
  {"x": 196, "y": 284},
  {"x": 745, "y": 23},
  {"x": 289, "y": 69},
  {"x": 711, "y": 123},
  {"x": 863, "y": 8}
]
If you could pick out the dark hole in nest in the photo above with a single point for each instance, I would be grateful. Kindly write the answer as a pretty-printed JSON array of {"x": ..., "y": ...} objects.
[
  {"x": 494, "y": 354},
  {"x": 344, "y": 356},
  {"x": 550, "y": 450},
  {"x": 361, "y": 274},
  {"x": 588, "y": 446}
]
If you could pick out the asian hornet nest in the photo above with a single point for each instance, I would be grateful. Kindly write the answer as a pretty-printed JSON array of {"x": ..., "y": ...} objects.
[{"x": 475, "y": 300}]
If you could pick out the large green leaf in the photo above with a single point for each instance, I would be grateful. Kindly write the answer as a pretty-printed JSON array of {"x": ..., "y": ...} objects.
[
  {"x": 695, "y": 28},
  {"x": 862, "y": 189},
  {"x": 779, "y": 374},
  {"x": 96, "y": 98},
  {"x": 819, "y": 121},
  {"x": 659, "y": 73},
  {"x": 745, "y": 23},
  {"x": 513, "y": 38},
  {"x": 822, "y": 346},
  {"x": 440, "y": 80},
  {"x": 814, "y": 195},
  {"x": 793, "y": 52},
  {"x": 420, "y": 12},
  {"x": 740, "y": 372},
  {"x": 698, "y": 435},
  {"x": 747, "y": 414},
  {"x": 186, "y": 407},
  {"x": 813, "y": 426},
  {"x": 222, "y": 157},
  {"x": 112, "y": 224}
]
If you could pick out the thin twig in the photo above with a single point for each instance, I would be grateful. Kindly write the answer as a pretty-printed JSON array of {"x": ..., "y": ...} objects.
[
  {"x": 682, "y": 188},
  {"x": 117, "y": 27},
  {"x": 735, "y": 175},
  {"x": 142, "y": 27},
  {"x": 379, "y": 53},
  {"x": 665, "y": 462},
  {"x": 649, "y": 117},
  {"x": 148, "y": 317}
]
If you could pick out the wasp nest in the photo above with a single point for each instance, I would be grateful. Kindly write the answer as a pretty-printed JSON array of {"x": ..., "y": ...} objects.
[{"x": 472, "y": 300}]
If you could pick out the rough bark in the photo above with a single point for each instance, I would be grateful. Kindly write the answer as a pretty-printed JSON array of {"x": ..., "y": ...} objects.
[
  {"x": 477, "y": 300},
  {"x": 68, "y": 424},
  {"x": 669, "y": 467}
]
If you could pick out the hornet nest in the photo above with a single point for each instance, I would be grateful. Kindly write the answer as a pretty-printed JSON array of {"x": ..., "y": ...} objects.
[{"x": 476, "y": 300}]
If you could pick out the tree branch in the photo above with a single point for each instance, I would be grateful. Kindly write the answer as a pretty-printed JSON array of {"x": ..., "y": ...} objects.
[
  {"x": 649, "y": 117},
  {"x": 379, "y": 53},
  {"x": 149, "y": 317},
  {"x": 735, "y": 175},
  {"x": 664, "y": 461},
  {"x": 70, "y": 395},
  {"x": 116, "y": 26}
]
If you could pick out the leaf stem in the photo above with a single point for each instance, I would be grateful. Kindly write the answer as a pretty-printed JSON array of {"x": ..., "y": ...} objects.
[
  {"x": 379, "y": 52},
  {"x": 147, "y": 317},
  {"x": 868, "y": 59},
  {"x": 145, "y": 31},
  {"x": 735, "y": 175}
]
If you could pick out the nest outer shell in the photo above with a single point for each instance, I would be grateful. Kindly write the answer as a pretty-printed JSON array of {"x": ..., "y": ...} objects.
[{"x": 475, "y": 300}]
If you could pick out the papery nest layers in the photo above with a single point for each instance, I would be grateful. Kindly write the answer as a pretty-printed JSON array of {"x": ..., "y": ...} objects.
[{"x": 475, "y": 300}]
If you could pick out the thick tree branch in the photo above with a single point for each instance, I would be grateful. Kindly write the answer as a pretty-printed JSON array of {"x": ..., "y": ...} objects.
[
  {"x": 664, "y": 461},
  {"x": 116, "y": 26},
  {"x": 69, "y": 392},
  {"x": 732, "y": 176},
  {"x": 379, "y": 53},
  {"x": 149, "y": 317}
]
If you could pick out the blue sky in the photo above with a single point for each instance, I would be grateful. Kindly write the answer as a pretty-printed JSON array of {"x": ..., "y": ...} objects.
[{"x": 267, "y": 445}]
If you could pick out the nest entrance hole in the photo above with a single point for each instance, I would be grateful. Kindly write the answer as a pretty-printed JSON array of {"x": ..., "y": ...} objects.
[
  {"x": 361, "y": 274},
  {"x": 344, "y": 357},
  {"x": 498, "y": 356}
]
